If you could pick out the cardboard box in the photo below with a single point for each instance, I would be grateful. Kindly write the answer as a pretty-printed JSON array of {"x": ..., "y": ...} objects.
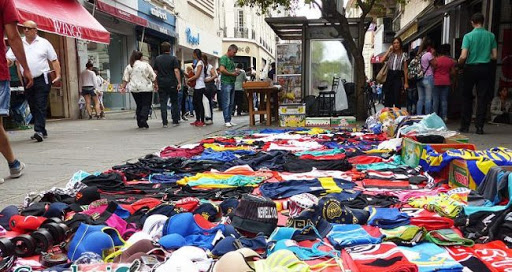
[
  {"x": 318, "y": 121},
  {"x": 412, "y": 150},
  {"x": 343, "y": 122},
  {"x": 292, "y": 120},
  {"x": 295, "y": 108},
  {"x": 459, "y": 175}
]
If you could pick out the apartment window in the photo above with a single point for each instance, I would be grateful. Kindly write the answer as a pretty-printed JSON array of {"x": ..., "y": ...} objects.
[{"x": 240, "y": 17}]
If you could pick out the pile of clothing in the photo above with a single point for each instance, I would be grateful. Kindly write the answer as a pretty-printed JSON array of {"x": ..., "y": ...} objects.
[{"x": 268, "y": 200}]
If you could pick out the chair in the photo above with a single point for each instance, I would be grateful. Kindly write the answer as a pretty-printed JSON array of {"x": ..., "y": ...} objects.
[{"x": 327, "y": 99}]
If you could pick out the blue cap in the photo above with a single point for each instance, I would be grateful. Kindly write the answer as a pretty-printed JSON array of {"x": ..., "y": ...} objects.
[
  {"x": 172, "y": 241},
  {"x": 56, "y": 209},
  {"x": 6, "y": 214}
]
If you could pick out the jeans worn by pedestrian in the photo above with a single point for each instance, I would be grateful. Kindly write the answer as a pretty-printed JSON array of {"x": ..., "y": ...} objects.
[
  {"x": 37, "y": 98},
  {"x": 440, "y": 100},
  {"x": 228, "y": 100},
  {"x": 479, "y": 75},
  {"x": 5, "y": 97},
  {"x": 425, "y": 87},
  {"x": 412, "y": 99},
  {"x": 165, "y": 93},
  {"x": 143, "y": 102}
]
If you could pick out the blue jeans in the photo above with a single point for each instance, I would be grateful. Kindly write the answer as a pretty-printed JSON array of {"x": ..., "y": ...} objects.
[
  {"x": 425, "y": 87},
  {"x": 440, "y": 97},
  {"x": 228, "y": 100},
  {"x": 37, "y": 97},
  {"x": 5, "y": 97}
]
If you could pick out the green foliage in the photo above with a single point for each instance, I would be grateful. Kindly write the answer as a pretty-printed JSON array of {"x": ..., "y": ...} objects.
[{"x": 266, "y": 5}]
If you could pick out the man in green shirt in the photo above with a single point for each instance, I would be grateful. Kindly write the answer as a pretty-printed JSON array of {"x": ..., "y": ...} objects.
[
  {"x": 228, "y": 78},
  {"x": 478, "y": 49}
]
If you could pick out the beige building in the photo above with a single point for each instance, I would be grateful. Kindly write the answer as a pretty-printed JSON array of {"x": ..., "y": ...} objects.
[{"x": 256, "y": 41}]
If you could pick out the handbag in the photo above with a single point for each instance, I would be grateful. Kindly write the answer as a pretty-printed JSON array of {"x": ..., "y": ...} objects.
[{"x": 383, "y": 73}]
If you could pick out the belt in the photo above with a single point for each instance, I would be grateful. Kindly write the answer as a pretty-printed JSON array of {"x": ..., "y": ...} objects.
[
  {"x": 25, "y": 245},
  {"x": 6, "y": 247}
]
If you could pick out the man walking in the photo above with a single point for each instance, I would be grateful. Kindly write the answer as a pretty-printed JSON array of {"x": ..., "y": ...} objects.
[
  {"x": 478, "y": 48},
  {"x": 168, "y": 79},
  {"x": 39, "y": 51},
  {"x": 227, "y": 69},
  {"x": 9, "y": 20}
]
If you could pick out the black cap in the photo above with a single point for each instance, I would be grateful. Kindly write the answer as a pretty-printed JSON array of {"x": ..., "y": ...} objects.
[{"x": 255, "y": 214}]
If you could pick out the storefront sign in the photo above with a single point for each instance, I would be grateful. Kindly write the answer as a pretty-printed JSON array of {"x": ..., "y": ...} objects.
[
  {"x": 67, "y": 29},
  {"x": 159, "y": 13},
  {"x": 194, "y": 40},
  {"x": 121, "y": 14}
]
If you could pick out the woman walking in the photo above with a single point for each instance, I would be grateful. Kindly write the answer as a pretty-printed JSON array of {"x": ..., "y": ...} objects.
[
  {"x": 211, "y": 89},
  {"x": 138, "y": 78},
  {"x": 444, "y": 69},
  {"x": 89, "y": 85},
  {"x": 426, "y": 84},
  {"x": 396, "y": 80},
  {"x": 199, "y": 88}
]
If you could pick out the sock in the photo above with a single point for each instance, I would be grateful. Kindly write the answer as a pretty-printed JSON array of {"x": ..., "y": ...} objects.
[{"x": 14, "y": 164}]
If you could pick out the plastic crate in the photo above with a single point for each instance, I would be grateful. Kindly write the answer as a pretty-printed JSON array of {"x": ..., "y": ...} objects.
[{"x": 412, "y": 150}]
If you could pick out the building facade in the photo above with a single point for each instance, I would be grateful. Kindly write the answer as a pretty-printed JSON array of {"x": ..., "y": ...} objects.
[
  {"x": 246, "y": 29},
  {"x": 198, "y": 27}
]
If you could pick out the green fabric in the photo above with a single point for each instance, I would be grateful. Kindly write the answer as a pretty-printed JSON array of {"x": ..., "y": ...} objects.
[
  {"x": 234, "y": 181},
  {"x": 240, "y": 79},
  {"x": 397, "y": 161},
  {"x": 448, "y": 237},
  {"x": 230, "y": 67},
  {"x": 479, "y": 44},
  {"x": 321, "y": 152},
  {"x": 408, "y": 235}
]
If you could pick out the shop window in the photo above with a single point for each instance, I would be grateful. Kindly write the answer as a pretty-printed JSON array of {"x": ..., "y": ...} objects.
[{"x": 329, "y": 58}]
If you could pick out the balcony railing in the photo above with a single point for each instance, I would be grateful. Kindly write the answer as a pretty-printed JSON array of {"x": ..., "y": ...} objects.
[{"x": 241, "y": 33}]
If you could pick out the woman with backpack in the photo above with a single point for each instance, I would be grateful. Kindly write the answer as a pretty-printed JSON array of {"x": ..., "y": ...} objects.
[
  {"x": 425, "y": 77},
  {"x": 396, "y": 79}
]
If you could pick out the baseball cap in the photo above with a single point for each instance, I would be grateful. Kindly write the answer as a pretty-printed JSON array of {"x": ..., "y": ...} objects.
[
  {"x": 6, "y": 214},
  {"x": 255, "y": 214},
  {"x": 172, "y": 241},
  {"x": 36, "y": 209},
  {"x": 22, "y": 223},
  {"x": 310, "y": 225},
  {"x": 241, "y": 260},
  {"x": 87, "y": 195},
  {"x": 208, "y": 211},
  {"x": 56, "y": 209},
  {"x": 228, "y": 205},
  {"x": 334, "y": 211}
]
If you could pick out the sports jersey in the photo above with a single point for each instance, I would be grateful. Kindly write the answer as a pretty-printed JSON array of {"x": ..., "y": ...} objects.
[
  {"x": 430, "y": 257},
  {"x": 342, "y": 236},
  {"x": 319, "y": 186},
  {"x": 211, "y": 180},
  {"x": 380, "y": 257}
]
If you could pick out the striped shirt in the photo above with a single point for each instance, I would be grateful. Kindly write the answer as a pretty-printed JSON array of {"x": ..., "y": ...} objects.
[{"x": 396, "y": 62}]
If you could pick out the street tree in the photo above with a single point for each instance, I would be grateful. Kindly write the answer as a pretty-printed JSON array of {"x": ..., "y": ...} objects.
[{"x": 333, "y": 12}]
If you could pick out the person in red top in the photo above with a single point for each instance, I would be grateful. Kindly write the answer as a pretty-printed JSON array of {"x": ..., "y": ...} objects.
[
  {"x": 9, "y": 20},
  {"x": 444, "y": 67}
]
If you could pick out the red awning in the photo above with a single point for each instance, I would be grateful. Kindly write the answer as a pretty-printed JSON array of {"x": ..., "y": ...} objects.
[
  {"x": 378, "y": 58},
  {"x": 63, "y": 17}
]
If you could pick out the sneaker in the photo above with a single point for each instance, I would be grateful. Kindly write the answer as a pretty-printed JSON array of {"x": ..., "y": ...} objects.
[
  {"x": 187, "y": 114},
  {"x": 194, "y": 123},
  {"x": 233, "y": 124},
  {"x": 184, "y": 118},
  {"x": 228, "y": 124},
  {"x": 2, "y": 180},
  {"x": 38, "y": 136},
  {"x": 175, "y": 124},
  {"x": 165, "y": 126},
  {"x": 199, "y": 124},
  {"x": 16, "y": 172},
  {"x": 208, "y": 122}
]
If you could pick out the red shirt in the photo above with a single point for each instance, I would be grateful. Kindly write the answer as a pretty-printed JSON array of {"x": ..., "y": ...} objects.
[
  {"x": 8, "y": 14},
  {"x": 442, "y": 71}
]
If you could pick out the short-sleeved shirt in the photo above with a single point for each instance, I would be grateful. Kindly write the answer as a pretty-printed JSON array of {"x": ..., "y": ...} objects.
[
  {"x": 240, "y": 79},
  {"x": 425, "y": 64},
  {"x": 38, "y": 53},
  {"x": 8, "y": 14},
  {"x": 479, "y": 44},
  {"x": 396, "y": 61},
  {"x": 230, "y": 67},
  {"x": 442, "y": 72},
  {"x": 164, "y": 66}
]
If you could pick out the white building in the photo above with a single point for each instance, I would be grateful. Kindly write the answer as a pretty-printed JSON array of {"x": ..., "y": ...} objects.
[
  {"x": 198, "y": 27},
  {"x": 256, "y": 41}
]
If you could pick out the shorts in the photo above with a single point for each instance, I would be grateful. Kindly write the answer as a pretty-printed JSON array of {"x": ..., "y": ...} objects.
[
  {"x": 5, "y": 97},
  {"x": 89, "y": 91}
]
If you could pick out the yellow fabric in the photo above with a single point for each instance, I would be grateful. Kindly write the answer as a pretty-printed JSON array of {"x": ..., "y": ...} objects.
[
  {"x": 184, "y": 181},
  {"x": 218, "y": 147},
  {"x": 329, "y": 185}
]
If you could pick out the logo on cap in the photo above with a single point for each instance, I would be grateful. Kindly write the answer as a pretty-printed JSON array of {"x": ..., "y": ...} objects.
[{"x": 267, "y": 213}]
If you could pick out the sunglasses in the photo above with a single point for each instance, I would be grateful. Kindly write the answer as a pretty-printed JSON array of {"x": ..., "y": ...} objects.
[{"x": 26, "y": 28}]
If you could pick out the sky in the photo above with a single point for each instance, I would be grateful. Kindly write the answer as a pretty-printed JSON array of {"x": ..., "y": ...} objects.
[{"x": 311, "y": 12}]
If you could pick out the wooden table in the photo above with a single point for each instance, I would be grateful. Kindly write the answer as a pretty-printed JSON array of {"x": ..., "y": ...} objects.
[{"x": 265, "y": 106}]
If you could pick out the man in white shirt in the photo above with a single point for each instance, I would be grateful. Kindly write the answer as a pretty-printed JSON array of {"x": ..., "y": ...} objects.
[{"x": 38, "y": 51}]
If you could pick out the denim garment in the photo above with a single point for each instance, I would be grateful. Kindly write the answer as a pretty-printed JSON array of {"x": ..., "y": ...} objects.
[
  {"x": 425, "y": 87},
  {"x": 37, "y": 97},
  {"x": 440, "y": 100},
  {"x": 228, "y": 100},
  {"x": 5, "y": 97}
]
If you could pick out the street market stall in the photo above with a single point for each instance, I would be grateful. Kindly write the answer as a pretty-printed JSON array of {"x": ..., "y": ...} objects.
[{"x": 403, "y": 193}]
